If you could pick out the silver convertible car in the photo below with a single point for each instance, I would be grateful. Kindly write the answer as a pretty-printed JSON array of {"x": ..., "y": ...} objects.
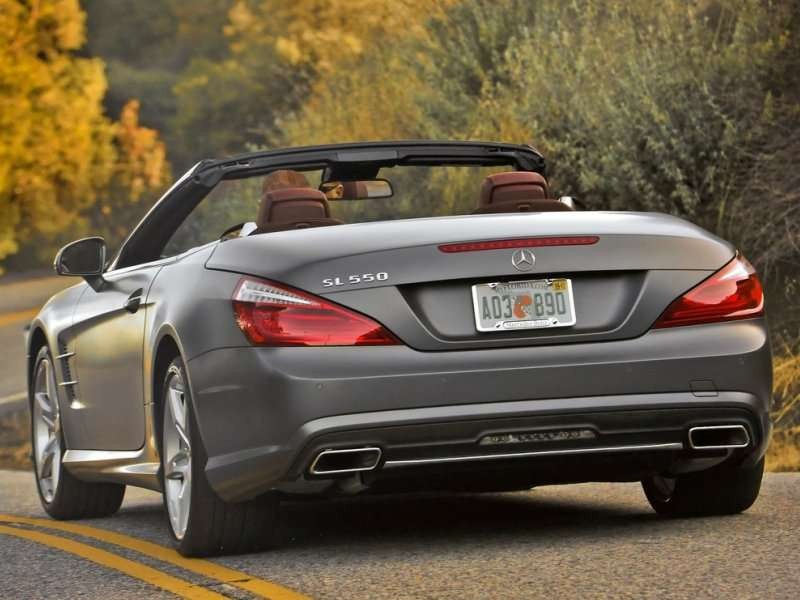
[{"x": 387, "y": 317}]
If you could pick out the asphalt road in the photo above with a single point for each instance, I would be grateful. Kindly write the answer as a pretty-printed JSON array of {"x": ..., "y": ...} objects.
[
  {"x": 20, "y": 300},
  {"x": 587, "y": 541}
]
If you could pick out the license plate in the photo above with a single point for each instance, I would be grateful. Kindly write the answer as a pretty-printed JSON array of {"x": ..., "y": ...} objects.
[{"x": 514, "y": 305}]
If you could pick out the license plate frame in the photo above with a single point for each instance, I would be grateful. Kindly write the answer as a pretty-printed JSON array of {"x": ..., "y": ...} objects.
[{"x": 544, "y": 322}]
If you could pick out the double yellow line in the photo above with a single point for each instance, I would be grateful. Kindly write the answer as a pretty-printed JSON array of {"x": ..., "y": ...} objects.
[{"x": 9, "y": 525}]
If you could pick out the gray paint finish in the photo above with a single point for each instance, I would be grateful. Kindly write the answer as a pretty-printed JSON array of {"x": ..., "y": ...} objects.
[
  {"x": 269, "y": 395},
  {"x": 109, "y": 358},
  {"x": 262, "y": 410},
  {"x": 408, "y": 249}
]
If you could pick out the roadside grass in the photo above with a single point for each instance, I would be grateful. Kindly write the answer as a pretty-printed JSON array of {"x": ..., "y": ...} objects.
[
  {"x": 784, "y": 452},
  {"x": 783, "y": 455}
]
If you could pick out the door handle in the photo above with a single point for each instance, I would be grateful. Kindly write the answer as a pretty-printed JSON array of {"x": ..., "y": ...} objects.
[{"x": 133, "y": 302}]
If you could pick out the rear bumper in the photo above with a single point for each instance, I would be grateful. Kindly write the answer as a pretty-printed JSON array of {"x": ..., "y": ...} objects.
[{"x": 265, "y": 413}]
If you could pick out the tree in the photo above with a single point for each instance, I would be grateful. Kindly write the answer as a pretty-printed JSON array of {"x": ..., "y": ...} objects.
[
  {"x": 140, "y": 171},
  {"x": 53, "y": 152},
  {"x": 282, "y": 55},
  {"x": 58, "y": 152},
  {"x": 686, "y": 108},
  {"x": 147, "y": 47}
]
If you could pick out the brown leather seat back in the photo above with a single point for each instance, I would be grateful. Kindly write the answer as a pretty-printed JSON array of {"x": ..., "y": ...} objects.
[
  {"x": 293, "y": 208},
  {"x": 516, "y": 191}
]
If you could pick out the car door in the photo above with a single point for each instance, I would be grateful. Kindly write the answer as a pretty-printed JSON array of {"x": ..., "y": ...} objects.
[{"x": 108, "y": 389}]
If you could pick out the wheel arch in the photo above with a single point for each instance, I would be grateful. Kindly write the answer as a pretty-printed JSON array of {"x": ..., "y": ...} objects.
[
  {"x": 37, "y": 339},
  {"x": 166, "y": 349}
]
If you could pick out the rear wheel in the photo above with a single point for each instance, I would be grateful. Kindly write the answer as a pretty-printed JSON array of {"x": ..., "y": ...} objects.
[
  {"x": 202, "y": 523},
  {"x": 722, "y": 490},
  {"x": 62, "y": 495}
]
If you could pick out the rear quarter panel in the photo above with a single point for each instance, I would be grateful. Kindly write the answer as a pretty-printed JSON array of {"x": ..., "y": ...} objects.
[{"x": 191, "y": 305}]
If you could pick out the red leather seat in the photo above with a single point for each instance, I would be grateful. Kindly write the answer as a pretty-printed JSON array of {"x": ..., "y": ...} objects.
[{"x": 516, "y": 191}]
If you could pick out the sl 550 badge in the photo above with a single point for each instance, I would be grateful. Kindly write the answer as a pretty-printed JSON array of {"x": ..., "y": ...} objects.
[{"x": 354, "y": 279}]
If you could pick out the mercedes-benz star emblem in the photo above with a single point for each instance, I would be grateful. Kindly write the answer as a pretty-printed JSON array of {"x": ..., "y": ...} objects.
[{"x": 523, "y": 260}]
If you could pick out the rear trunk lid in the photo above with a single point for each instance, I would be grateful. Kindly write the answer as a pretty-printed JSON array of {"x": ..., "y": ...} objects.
[{"x": 396, "y": 273}]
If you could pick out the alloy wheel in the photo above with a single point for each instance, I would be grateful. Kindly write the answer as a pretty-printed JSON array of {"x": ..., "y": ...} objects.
[
  {"x": 46, "y": 431},
  {"x": 177, "y": 450}
]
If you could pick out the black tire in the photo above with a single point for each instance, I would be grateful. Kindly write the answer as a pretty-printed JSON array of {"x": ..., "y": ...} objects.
[
  {"x": 72, "y": 498},
  {"x": 214, "y": 526},
  {"x": 722, "y": 490}
]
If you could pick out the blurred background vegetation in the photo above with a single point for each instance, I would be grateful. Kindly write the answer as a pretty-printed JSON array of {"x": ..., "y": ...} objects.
[{"x": 690, "y": 107}]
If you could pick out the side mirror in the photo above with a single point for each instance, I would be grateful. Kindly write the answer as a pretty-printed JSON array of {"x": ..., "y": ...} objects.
[{"x": 85, "y": 258}]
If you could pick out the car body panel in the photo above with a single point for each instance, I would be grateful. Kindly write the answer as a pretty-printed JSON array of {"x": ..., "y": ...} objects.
[
  {"x": 622, "y": 283},
  {"x": 268, "y": 395},
  {"x": 264, "y": 413},
  {"x": 408, "y": 249},
  {"x": 108, "y": 363}
]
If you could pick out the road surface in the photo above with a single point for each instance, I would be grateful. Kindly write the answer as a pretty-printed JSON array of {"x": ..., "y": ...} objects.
[
  {"x": 584, "y": 541},
  {"x": 20, "y": 300}
]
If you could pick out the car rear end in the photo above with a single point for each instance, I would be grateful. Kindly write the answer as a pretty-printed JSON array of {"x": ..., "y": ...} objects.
[{"x": 404, "y": 355}]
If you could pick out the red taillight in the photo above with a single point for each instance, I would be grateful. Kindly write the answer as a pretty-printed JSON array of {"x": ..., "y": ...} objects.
[
  {"x": 274, "y": 315},
  {"x": 733, "y": 292},
  {"x": 537, "y": 242}
]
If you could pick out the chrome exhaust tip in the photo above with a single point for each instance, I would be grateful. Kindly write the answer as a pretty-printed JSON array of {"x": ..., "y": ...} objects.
[
  {"x": 719, "y": 437},
  {"x": 348, "y": 460}
]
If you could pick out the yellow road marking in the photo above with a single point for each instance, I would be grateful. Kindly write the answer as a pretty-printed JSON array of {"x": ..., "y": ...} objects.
[
  {"x": 142, "y": 572},
  {"x": 20, "y": 315},
  {"x": 260, "y": 587},
  {"x": 13, "y": 398}
]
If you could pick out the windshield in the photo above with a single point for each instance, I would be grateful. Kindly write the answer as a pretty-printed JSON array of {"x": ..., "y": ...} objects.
[
  {"x": 289, "y": 199},
  {"x": 419, "y": 191}
]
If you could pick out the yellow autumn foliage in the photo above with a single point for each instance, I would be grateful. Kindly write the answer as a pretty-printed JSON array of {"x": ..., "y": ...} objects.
[
  {"x": 52, "y": 150},
  {"x": 57, "y": 148},
  {"x": 784, "y": 454},
  {"x": 326, "y": 33}
]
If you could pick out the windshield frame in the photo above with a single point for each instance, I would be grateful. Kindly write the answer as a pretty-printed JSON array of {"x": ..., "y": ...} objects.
[{"x": 147, "y": 240}]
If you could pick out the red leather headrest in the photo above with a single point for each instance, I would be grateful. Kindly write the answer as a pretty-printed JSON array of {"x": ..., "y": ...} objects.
[
  {"x": 512, "y": 187},
  {"x": 291, "y": 205}
]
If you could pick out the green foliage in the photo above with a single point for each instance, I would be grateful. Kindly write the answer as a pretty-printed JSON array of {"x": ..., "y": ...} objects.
[
  {"x": 147, "y": 47},
  {"x": 225, "y": 108},
  {"x": 220, "y": 76},
  {"x": 687, "y": 108}
]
